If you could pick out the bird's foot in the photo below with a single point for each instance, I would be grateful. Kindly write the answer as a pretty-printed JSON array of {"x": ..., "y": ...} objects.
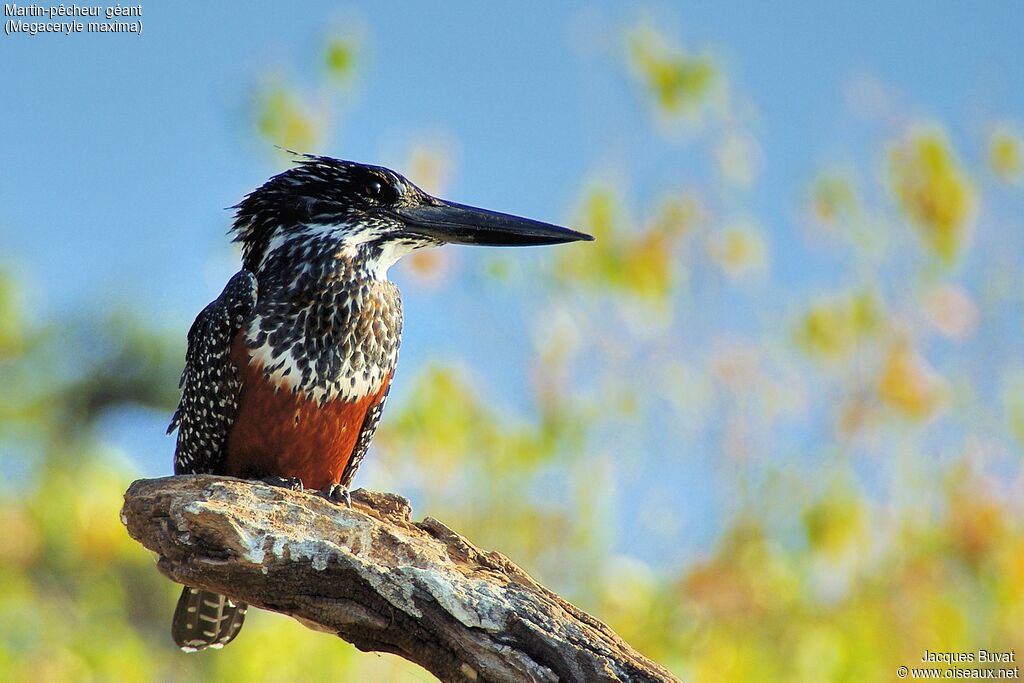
[
  {"x": 337, "y": 493},
  {"x": 290, "y": 483}
]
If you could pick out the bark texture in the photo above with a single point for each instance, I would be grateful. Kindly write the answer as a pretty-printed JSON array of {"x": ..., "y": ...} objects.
[{"x": 376, "y": 579}]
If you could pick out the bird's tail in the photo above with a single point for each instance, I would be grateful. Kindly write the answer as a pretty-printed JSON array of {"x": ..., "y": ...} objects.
[{"x": 203, "y": 619}]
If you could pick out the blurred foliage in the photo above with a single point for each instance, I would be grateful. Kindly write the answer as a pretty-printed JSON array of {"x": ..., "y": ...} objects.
[
  {"x": 680, "y": 84},
  {"x": 933, "y": 190},
  {"x": 836, "y": 325},
  {"x": 1006, "y": 154},
  {"x": 80, "y": 601},
  {"x": 908, "y": 383},
  {"x": 340, "y": 58},
  {"x": 951, "y": 310},
  {"x": 740, "y": 250},
  {"x": 834, "y": 200},
  {"x": 282, "y": 118},
  {"x": 626, "y": 260},
  {"x": 300, "y": 119},
  {"x": 861, "y": 410},
  {"x": 11, "y": 340},
  {"x": 1013, "y": 399}
]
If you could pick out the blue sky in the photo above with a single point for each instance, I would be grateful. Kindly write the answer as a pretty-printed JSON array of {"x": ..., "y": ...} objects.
[{"x": 120, "y": 151}]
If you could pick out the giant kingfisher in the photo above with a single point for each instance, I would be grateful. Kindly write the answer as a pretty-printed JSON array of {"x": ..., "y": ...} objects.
[{"x": 287, "y": 371}]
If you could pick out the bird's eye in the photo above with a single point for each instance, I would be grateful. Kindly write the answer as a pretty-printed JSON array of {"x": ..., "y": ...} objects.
[{"x": 380, "y": 190}]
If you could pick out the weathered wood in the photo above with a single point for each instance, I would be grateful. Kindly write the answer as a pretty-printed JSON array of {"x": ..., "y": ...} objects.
[{"x": 376, "y": 579}]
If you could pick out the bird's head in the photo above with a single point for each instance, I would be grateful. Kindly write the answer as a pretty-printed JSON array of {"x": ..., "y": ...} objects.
[{"x": 355, "y": 205}]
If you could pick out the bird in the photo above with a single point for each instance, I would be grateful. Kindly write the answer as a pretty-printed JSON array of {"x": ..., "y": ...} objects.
[{"x": 288, "y": 370}]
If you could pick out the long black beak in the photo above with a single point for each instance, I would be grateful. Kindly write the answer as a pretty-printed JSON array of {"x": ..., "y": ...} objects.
[{"x": 460, "y": 224}]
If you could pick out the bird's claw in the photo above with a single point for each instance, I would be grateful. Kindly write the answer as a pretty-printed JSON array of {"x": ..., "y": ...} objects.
[
  {"x": 290, "y": 483},
  {"x": 337, "y": 493}
]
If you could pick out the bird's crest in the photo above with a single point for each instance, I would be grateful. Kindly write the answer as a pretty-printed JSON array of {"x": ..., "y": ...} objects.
[{"x": 316, "y": 190}]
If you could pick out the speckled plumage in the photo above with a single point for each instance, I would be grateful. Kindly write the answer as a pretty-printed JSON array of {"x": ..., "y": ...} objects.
[
  {"x": 318, "y": 318},
  {"x": 209, "y": 382},
  {"x": 325, "y": 324},
  {"x": 288, "y": 370}
]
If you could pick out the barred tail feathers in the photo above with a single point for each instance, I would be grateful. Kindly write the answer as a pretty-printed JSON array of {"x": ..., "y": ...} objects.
[{"x": 203, "y": 619}]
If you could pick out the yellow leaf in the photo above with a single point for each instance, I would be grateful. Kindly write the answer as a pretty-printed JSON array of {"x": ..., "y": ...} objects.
[
  {"x": 835, "y": 524},
  {"x": 285, "y": 121},
  {"x": 832, "y": 328},
  {"x": 909, "y": 384},
  {"x": 1006, "y": 154},
  {"x": 340, "y": 58},
  {"x": 740, "y": 251},
  {"x": 932, "y": 189},
  {"x": 680, "y": 83}
]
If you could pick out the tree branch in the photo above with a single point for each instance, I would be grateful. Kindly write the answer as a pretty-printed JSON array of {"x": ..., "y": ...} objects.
[{"x": 375, "y": 578}]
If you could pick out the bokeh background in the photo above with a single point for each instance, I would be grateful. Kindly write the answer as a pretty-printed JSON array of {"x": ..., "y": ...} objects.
[{"x": 769, "y": 426}]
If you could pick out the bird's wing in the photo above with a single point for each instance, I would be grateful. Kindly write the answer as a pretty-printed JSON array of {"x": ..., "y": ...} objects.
[
  {"x": 366, "y": 433},
  {"x": 210, "y": 382}
]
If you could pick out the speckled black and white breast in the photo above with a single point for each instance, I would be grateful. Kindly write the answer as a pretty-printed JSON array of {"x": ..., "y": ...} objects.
[{"x": 325, "y": 325}]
